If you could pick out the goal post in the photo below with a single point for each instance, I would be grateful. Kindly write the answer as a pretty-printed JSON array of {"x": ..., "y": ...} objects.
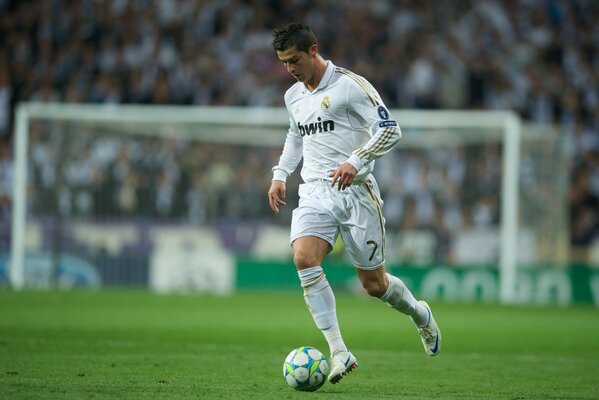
[
  {"x": 17, "y": 244},
  {"x": 266, "y": 127}
]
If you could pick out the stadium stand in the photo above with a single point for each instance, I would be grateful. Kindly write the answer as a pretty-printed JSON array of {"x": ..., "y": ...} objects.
[{"x": 537, "y": 57}]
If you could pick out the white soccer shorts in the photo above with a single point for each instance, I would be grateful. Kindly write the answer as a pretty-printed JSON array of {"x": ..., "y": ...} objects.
[{"x": 355, "y": 213}]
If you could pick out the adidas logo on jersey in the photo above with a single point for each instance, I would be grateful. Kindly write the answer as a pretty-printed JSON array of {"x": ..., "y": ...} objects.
[{"x": 316, "y": 127}]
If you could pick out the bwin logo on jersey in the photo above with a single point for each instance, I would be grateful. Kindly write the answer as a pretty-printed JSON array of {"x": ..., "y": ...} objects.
[{"x": 316, "y": 127}]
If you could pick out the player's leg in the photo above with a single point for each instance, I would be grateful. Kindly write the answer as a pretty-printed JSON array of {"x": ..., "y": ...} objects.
[
  {"x": 314, "y": 230},
  {"x": 308, "y": 254},
  {"x": 364, "y": 238},
  {"x": 396, "y": 294},
  {"x": 313, "y": 233}
]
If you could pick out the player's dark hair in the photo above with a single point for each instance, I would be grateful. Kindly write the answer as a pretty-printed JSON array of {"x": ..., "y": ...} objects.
[{"x": 293, "y": 35}]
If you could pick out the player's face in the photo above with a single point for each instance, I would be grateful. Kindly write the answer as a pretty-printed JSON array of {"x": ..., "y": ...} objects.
[{"x": 298, "y": 63}]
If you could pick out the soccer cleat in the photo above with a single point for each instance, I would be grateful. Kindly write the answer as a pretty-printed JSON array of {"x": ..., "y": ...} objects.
[
  {"x": 430, "y": 333},
  {"x": 342, "y": 363}
]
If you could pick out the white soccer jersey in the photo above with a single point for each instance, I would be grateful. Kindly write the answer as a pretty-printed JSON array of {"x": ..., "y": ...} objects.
[{"x": 342, "y": 120}]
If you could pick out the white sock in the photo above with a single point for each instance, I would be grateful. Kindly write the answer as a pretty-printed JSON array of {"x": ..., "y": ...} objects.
[
  {"x": 320, "y": 300},
  {"x": 399, "y": 297}
]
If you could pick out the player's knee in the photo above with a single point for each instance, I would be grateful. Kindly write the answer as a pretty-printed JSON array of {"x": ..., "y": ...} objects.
[
  {"x": 375, "y": 288},
  {"x": 304, "y": 260}
]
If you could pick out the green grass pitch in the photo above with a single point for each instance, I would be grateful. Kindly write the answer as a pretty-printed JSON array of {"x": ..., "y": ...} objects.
[{"x": 122, "y": 344}]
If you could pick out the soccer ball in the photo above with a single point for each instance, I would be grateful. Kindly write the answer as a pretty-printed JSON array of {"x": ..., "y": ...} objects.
[{"x": 306, "y": 369}]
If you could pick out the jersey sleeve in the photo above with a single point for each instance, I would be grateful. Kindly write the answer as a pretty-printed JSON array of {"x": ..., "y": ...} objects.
[
  {"x": 367, "y": 109},
  {"x": 291, "y": 155}
]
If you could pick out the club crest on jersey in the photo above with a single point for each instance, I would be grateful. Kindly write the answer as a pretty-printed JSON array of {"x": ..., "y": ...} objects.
[
  {"x": 326, "y": 103},
  {"x": 316, "y": 127}
]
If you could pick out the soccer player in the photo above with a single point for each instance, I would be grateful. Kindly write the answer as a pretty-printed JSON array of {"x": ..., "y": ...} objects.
[{"x": 339, "y": 125}]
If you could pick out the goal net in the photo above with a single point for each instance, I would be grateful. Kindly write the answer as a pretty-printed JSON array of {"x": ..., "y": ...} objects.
[{"x": 123, "y": 195}]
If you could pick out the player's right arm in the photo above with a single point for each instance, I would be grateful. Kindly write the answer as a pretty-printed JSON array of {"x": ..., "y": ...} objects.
[{"x": 288, "y": 162}]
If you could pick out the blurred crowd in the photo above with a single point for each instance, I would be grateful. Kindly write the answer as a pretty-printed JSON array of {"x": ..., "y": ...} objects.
[
  {"x": 111, "y": 175},
  {"x": 539, "y": 58}
]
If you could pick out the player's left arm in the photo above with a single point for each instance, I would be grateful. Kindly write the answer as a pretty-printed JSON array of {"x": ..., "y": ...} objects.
[
  {"x": 365, "y": 103},
  {"x": 367, "y": 109}
]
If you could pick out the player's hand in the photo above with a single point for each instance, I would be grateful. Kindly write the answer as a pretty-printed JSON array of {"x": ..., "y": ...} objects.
[
  {"x": 276, "y": 195},
  {"x": 343, "y": 176}
]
